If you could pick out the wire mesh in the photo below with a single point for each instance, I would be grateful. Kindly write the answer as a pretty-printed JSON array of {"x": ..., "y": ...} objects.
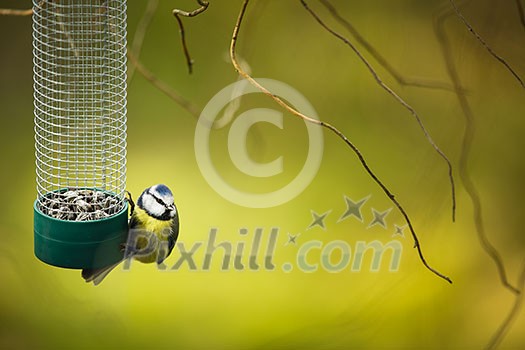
[{"x": 79, "y": 53}]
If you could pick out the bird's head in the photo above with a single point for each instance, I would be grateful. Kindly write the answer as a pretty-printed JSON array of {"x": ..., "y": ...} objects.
[{"x": 158, "y": 202}]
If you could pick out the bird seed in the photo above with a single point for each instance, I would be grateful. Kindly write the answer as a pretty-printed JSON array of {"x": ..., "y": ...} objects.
[{"x": 80, "y": 205}]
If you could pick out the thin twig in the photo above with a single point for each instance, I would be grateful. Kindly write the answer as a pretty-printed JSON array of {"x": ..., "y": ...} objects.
[
  {"x": 140, "y": 33},
  {"x": 13, "y": 12},
  {"x": 466, "y": 146},
  {"x": 395, "y": 96},
  {"x": 134, "y": 54},
  {"x": 333, "y": 129},
  {"x": 63, "y": 28},
  {"x": 162, "y": 86},
  {"x": 177, "y": 13},
  {"x": 521, "y": 12},
  {"x": 511, "y": 316},
  {"x": 485, "y": 45},
  {"x": 29, "y": 12},
  {"x": 233, "y": 106},
  {"x": 379, "y": 58}
]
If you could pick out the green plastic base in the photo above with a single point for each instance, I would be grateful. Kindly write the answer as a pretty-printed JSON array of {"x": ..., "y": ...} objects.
[{"x": 80, "y": 244}]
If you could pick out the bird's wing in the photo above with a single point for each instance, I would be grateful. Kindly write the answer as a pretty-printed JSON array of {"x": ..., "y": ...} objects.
[
  {"x": 174, "y": 234},
  {"x": 172, "y": 239}
]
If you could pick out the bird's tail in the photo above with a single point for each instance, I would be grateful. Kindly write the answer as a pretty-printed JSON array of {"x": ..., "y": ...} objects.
[{"x": 97, "y": 275}]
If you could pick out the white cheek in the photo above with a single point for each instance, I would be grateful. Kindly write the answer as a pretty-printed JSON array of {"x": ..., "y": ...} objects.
[{"x": 151, "y": 205}]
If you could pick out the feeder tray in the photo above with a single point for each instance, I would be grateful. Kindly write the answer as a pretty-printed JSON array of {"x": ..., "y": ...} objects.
[
  {"x": 79, "y": 55},
  {"x": 80, "y": 228}
]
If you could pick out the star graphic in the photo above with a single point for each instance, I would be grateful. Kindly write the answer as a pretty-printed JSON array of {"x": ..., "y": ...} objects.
[
  {"x": 399, "y": 231},
  {"x": 318, "y": 220},
  {"x": 292, "y": 239},
  {"x": 353, "y": 208},
  {"x": 379, "y": 218}
]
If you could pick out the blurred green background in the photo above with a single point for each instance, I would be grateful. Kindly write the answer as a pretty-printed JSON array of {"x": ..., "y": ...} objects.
[{"x": 43, "y": 307}]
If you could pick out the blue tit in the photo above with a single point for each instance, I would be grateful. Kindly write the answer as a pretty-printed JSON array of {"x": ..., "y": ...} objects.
[{"x": 153, "y": 231}]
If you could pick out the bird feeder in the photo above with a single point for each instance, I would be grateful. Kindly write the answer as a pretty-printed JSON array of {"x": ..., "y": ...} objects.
[{"x": 79, "y": 54}]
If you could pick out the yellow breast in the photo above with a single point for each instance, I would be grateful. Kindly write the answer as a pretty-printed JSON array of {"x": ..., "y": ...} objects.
[
  {"x": 159, "y": 228},
  {"x": 151, "y": 224}
]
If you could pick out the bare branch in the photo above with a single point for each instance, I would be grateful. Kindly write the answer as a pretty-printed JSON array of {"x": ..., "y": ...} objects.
[
  {"x": 140, "y": 33},
  {"x": 16, "y": 12},
  {"x": 396, "y": 97},
  {"x": 333, "y": 129},
  {"x": 231, "y": 109},
  {"x": 466, "y": 146},
  {"x": 380, "y": 59},
  {"x": 485, "y": 45},
  {"x": 165, "y": 88},
  {"x": 521, "y": 12},
  {"x": 233, "y": 106},
  {"x": 13, "y": 12},
  {"x": 177, "y": 13},
  {"x": 511, "y": 316}
]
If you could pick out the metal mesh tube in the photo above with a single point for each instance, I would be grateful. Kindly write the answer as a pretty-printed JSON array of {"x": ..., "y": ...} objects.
[{"x": 79, "y": 52}]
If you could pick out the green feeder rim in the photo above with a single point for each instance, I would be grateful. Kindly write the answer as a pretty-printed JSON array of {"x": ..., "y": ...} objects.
[{"x": 80, "y": 244}]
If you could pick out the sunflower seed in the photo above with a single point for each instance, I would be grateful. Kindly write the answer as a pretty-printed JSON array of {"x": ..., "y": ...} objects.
[{"x": 80, "y": 204}]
